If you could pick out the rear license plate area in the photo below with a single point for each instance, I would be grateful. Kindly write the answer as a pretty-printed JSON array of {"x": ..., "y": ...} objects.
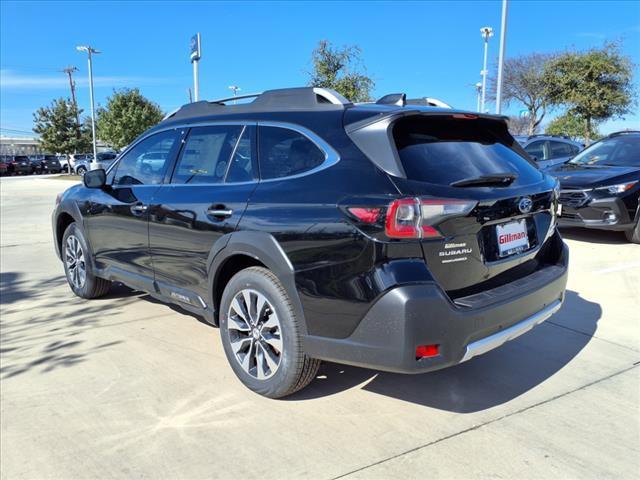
[
  {"x": 512, "y": 238},
  {"x": 491, "y": 248}
]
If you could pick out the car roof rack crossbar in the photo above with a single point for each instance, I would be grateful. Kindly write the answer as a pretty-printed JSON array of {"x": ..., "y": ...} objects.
[{"x": 303, "y": 98}]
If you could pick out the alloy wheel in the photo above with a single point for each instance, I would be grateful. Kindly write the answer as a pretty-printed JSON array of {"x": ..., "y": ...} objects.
[
  {"x": 76, "y": 266},
  {"x": 255, "y": 334}
]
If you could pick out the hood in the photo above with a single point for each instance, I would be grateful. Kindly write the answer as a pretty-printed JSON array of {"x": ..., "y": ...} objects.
[{"x": 589, "y": 176}]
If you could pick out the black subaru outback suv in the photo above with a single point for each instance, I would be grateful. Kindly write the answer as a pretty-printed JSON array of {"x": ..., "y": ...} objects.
[{"x": 387, "y": 235}]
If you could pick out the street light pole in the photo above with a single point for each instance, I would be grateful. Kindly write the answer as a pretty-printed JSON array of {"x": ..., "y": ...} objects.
[
  {"x": 479, "y": 93},
  {"x": 503, "y": 39},
  {"x": 235, "y": 89},
  {"x": 90, "y": 51},
  {"x": 487, "y": 33}
]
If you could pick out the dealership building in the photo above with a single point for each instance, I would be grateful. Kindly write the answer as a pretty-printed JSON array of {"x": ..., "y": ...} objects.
[{"x": 19, "y": 146}]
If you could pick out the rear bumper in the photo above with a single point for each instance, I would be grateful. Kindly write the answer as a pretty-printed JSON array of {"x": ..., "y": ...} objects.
[
  {"x": 598, "y": 214},
  {"x": 413, "y": 315}
]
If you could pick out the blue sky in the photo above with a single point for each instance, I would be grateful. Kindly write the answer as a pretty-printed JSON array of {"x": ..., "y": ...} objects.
[{"x": 421, "y": 48}]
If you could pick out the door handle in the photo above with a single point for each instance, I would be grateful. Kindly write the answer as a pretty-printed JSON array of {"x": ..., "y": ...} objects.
[
  {"x": 219, "y": 212},
  {"x": 138, "y": 209}
]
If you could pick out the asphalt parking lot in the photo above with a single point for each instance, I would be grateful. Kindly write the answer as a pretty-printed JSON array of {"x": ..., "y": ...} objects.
[{"x": 127, "y": 387}]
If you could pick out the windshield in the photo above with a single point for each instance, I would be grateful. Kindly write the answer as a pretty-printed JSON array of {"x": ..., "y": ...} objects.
[{"x": 621, "y": 151}]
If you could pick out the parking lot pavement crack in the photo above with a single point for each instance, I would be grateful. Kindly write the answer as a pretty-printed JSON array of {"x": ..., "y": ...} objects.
[
  {"x": 593, "y": 336},
  {"x": 488, "y": 422}
]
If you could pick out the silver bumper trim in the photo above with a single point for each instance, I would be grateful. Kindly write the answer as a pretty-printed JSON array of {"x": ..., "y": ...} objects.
[{"x": 493, "y": 341}]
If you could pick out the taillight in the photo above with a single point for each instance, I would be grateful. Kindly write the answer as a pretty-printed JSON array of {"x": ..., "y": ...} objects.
[
  {"x": 417, "y": 218},
  {"x": 366, "y": 215}
]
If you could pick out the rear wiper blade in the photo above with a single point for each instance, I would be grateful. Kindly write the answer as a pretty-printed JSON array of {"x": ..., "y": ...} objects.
[{"x": 497, "y": 180}]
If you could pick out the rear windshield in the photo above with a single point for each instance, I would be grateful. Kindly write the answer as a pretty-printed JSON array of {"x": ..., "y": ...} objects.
[{"x": 446, "y": 150}]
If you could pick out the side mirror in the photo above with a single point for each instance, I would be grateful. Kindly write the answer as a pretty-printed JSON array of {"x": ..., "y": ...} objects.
[{"x": 95, "y": 178}]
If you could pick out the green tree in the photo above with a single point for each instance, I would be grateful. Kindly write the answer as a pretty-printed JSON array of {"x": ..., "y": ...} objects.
[
  {"x": 572, "y": 126},
  {"x": 127, "y": 114},
  {"x": 523, "y": 82},
  {"x": 594, "y": 85},
  {"x": 340, "y": 69},
  {"x": 58, "y": 129}
]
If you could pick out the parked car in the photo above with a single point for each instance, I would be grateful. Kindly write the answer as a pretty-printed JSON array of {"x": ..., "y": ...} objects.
[
  {"x": 86, "y": 163},
  {"x": 395, "y": 237},
  {"x": 19, "y": 165},
  {"x": 549, "y": 150},
  {"x": 35, "y": 161},
  {"x": 600, "y": 187},
  {"x": 50, "y": 164},
  {"x": 77, "y": 160},
  {"x": 64, "y": 163},
  {"x": 4, "y": 168}
]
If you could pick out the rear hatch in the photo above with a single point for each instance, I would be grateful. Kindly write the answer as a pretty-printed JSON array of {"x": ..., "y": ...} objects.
[
  {"x": 485, "y": 208},
  {"x": 481, "y": 210}
]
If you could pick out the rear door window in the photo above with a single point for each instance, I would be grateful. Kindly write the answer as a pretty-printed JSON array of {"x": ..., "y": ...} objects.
[
  {"x": 285, "y": 152},
  {"x": 536, "y": 150},
  {"x": 206, "y": 154},
  {"x": 445, "y": 150},
  {"x": 561, "y": 149}
]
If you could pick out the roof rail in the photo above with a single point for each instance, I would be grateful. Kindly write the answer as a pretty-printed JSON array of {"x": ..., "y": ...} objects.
[
  {"x": 623, "y": 132},
  {"x": 282, "y": 99}
]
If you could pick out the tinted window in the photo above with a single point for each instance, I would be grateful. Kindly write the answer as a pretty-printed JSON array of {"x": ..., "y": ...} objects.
[
  {"x": 617, "y": 151},
  {"x": 242, "y": 168},
  {"x": 536, "y": 149},
  {"x": 205, "y": 156},
  {"x": 445, "y": 150},
  {"x": 285, "y": 152},
  {"x": 560, "y": 149},
  {"x": 134, "y": 168}
]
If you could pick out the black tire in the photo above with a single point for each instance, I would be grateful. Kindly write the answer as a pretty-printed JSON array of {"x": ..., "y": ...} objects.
[
  {"x": 633, "y": 235},
  {"x": 92, "y": 286},
  {"x": 295, "y": 370},
  {"x": 81, "y": 171}
]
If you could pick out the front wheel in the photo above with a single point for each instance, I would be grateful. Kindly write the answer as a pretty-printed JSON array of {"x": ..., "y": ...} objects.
[
  {"x": 261, "y": 335},
  {"x": 633, "y": 235},
  {"x": 77, "y": 265},
  {"x": 81, "y": 171}
]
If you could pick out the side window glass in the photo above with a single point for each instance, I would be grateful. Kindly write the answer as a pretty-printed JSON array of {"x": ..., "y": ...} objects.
[
  {"x": 243, "y": 163},
  {"x": 536, "y": 149},
  {"x": 285, "y": 152},
  {"x": 146, "y": 163},
  {"x": 206, "y": 153},
  {"x": 559, "y": 149}
]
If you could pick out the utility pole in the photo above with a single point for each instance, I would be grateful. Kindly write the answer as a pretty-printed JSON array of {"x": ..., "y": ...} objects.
[
  {"x": 90, "y": 51},
  {"x": 69, "y": 71},
  {"x": 487, "y": 33}
]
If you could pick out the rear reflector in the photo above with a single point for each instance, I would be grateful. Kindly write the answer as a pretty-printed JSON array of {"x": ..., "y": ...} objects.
[
  {"x": 366, "y": 215},
  {"x": 423, "y": 351}
]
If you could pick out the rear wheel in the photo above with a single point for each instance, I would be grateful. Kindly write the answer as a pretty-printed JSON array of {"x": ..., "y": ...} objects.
[
  {"x": 261, "y": 335},
  {"x": 81, "y": 171},
  {"x": 633, "y": 235},
  {"x": 77, "y": 266}
]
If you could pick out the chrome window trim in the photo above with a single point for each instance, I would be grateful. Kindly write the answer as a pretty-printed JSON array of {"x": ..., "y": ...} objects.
[{"x": 331, "y": 157}]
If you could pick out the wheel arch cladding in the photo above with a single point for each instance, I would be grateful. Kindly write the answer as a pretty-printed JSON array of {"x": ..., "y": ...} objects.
[{"x": 244, "y": 249}]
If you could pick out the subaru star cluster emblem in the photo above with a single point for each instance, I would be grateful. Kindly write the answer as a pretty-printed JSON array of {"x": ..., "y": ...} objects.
[{"x": 525, "y": 204}]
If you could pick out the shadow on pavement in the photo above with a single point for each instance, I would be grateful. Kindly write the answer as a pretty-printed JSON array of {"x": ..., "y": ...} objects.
[
  {"x": 483, "y": 382},
  {"x": 41, "y": 323},
  {"x": 605, "y": 237}
]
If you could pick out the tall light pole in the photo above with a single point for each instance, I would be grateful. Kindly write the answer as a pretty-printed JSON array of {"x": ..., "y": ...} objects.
[
  {"x": 479, "y": 93},
  {"x": 487, "y": 33},
  {"x": 503, "y": 39},
  {"x": 195, "y": 60},
  {"x": 235, "y": 89},
  {"x": 90, "y": 51}
]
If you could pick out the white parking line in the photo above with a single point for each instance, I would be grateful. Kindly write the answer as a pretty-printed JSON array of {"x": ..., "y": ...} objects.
[{"x": 618, "y": 268}]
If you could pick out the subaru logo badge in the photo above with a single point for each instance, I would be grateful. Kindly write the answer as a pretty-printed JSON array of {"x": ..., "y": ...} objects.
[{"x": 525, "y": 204}]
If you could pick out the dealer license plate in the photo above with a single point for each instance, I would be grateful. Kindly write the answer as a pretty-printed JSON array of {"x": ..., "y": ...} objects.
[{"x": 512, "y": 237}]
